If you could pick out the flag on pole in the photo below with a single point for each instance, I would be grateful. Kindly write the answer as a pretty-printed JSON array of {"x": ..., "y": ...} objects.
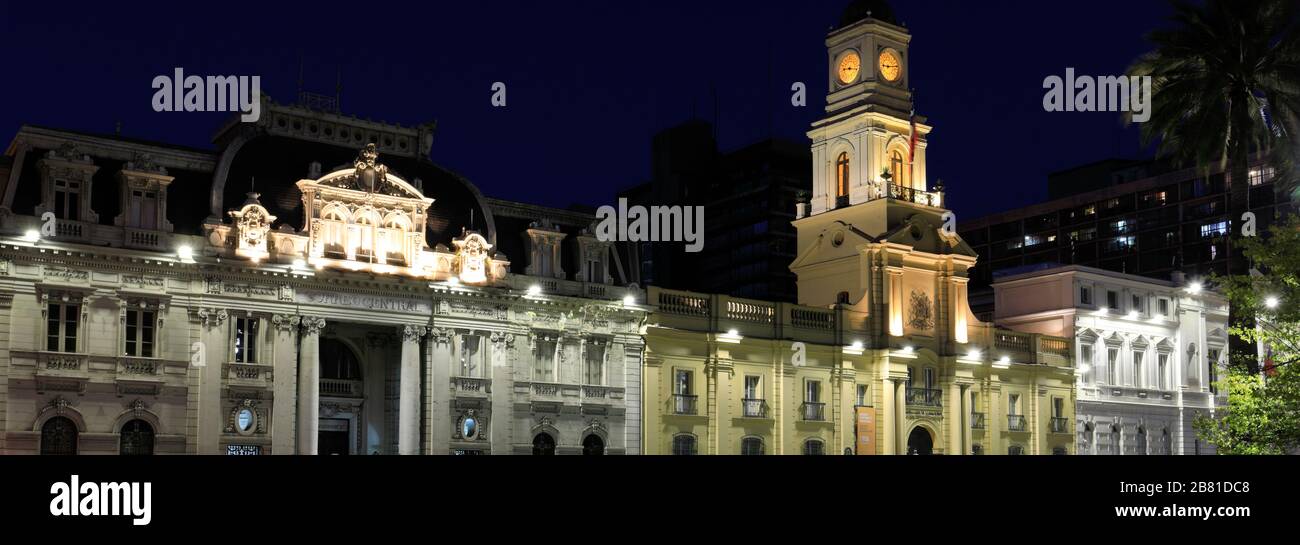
[{"x": 911, "y": 144}]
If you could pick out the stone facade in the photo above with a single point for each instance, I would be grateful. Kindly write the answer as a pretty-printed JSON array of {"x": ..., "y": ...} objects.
[{"x": 1148, "y": 353}]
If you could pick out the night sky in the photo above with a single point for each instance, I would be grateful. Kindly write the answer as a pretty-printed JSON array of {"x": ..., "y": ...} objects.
[{"x": 588, "y": 82}]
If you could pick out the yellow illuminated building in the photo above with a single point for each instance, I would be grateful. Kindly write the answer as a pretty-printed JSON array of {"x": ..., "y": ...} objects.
[{"x": 882, "y": 355}]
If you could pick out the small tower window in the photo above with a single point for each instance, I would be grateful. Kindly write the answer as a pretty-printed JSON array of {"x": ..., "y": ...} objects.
[
  {"x": 896, "y": 168},
  {"x": 842, "y": 175}
]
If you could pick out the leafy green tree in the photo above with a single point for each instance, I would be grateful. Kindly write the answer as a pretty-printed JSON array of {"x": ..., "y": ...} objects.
[{"x": 1263, "y": 413}]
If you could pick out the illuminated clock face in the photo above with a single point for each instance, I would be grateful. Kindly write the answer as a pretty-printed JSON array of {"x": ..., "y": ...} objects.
[
  {"x": 849, "y": 67},
  {"x": 891, "y": 68}
]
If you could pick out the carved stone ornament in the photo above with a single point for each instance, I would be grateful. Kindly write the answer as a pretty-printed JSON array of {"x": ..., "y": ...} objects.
[
  {"x": 441, "y": 335},
  {"x": 212, "y": 317},
  {"x": 412, "y": 333},
  {"x": 285, "y": 322},
  {"x": 472, "y": 258},
  {"x": 920, "y": 311},
  {"x": 503, "y": 340},
  {"x": 312, "y": 325}
]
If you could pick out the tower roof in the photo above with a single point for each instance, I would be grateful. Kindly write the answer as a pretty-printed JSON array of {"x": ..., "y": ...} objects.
[{"x": 862, "y": 9}]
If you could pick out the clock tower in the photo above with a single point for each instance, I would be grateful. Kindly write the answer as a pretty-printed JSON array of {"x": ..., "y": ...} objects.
[{"x": 872, "y": 236}]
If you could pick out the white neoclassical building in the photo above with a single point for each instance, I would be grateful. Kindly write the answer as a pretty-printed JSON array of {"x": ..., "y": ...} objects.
[
  {"x": 1148, "y": 351},
  {"x": 315, "y": 284}
]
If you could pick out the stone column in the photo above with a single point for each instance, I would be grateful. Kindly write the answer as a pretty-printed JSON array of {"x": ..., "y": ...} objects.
[
  {"x": 408, "y": 405},
  {"x": 954, "y": 405},
  {"x": 966, "y": 411},
  {"x": 886, "y": 418},
  {"x": 284, "y": 359},
  {"x": 900, "y": 416},
  {"x": 205, "y": 399},
  {"x": 309, "y": 384}
]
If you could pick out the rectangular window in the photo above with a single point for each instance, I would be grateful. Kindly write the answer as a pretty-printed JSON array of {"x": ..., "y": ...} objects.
[
  {"x": 751, "y": 387},
  {"x": 929, "y": 378},
  {"x": 143, "y": 209},
  {"x": 1139, "y": 304},
  {"x": 682, "y": 382},
  {"x": 67, "y": 200},
  {"x": 1058, "y": 407},
  {"x": 62, "y": 322},
  {"x": 596, "y": 363},
  {"x": 1112, "y": 300},
  {"x": 812, "y": 391},
  {"x": 139, "y": 333},
  {"x": 974, "y": 402},
  {"x": 1212, "y": 230},
  {"x": 1162, "y": 306},
  {"x": 1162, "y": 370},
  {"x": 544, "y": 363},
  {"x": 1213, "y": 364},
  {"x": 1112, "y": 365},
  {"x": 862, "y": 395},
  {"x": 1085, "y": 295},
  {"x": 472, "y": 356},
  {"x": 246, "y": 335},
  {"x": 595, "y": 271},
  {"x": 1085, "y": 358},
  {"x": 1013, "y": 404},
  {"x": 1139, "y": 378}
]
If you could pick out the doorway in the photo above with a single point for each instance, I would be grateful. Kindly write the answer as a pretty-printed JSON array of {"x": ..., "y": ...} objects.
[
  {"x": 333, "y": 437},
  {"x": 919, "y": 442}
]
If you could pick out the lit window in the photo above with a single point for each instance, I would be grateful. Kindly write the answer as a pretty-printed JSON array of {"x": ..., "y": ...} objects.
[
  {"x": 544, "y": 363},
  {"x": 842, "y": 175},
  {"x": 896, "y": 168},
  {"x": 1211, "y": 230},
  {"x": 246, "y": 334}
]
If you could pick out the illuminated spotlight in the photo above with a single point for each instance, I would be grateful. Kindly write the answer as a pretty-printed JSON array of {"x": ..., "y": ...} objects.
[
  {"x": 907, "y": 349},
  {"x": 299, "y": 264},
  {"x": 974, "y": 354},
  {"x": 32, "y": 236},
  {"x": 1133, "y": 315},
  {"x": 857, "y": 345},
  {"x": 733, "y": 333},
  {"x": 453, "y": 281},
  {"x": 1084, "y": 368},
  {"x": 1195, "y": 288},
  {"x": 534, "y": 290},
  {"x": 186, "y": 253},
  {"x": 1271, "y": 302},
  {"x": 1005, "y": 360},
  {"x": 731, "y": 336},
  {"x": 629, "y": 300}
]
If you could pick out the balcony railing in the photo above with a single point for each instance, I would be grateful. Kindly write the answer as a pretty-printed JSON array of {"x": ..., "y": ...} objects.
[
  {"x": 813, "y": 412},
  {"x": 904, "y": 193},
  {"x": 601, "y": 394},
  {"x": 684, "y": 403},
  {"x": 251, "y": 371},
  {"x": 340, "y": 388},
  {"x": 471, "y": 385},
  {"x": 925, "y": 397},
  {"x": 977, "y": 421},
  {"x": 753, "y": 408},
  {"x": 1060, "y": 425},
  {"x": 1015, "y": 422},
  {"x": 546, "y": 389}
]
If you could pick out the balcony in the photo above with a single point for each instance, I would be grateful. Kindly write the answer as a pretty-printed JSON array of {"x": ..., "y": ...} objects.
[
  {"x": 139, "y": 366},
  {"x": 977, "y": 421},
  {"x": 684, "y": 403},
  {"x": 252, "y": 371},
  {"x": 471, "y": 386},
  {"x": 753, "y": 408},
  {"x": 1060, "y": 425},
  {"x": 340, "y": 388},
  {"x": 754, "y": 318},
  {"x": 601, "y": 395},
  {"x": 813, "y": 412},
  {"x": 1015, "y": 422},
  {"x": 904, "y": 193},
  {"x": 925, "y": 397}
]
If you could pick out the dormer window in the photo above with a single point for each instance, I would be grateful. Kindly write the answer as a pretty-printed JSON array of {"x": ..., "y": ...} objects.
[
  {"x": 143, "y": 197},
  {"x": 544, "y": 241},
  {"x": 143, "y": 209},
  {"x": 593, "y": 254},
  {"x": 66, "y": 176}
]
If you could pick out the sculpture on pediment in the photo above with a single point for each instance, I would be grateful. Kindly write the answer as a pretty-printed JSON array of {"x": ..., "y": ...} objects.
[
  {"x": 252, "y": 223},
  {"x": 472, "y": 258},
  {"x": 921, "y": 312}
]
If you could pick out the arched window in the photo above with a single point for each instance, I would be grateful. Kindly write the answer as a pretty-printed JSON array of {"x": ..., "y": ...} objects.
[
  {"x": 136, "y": 438},
  {"x": 683, "y": 445},
  {"x": 337, "y": 362},
  {"x": 1059, "y": 451},
  {"x": 842, "y": 175},
  {"x": 1015, "y": 450},
  {"x": 543, "y": 445},
  {"x": 814, "y": 447},
  {"x": 751, "y": 446},
  {"x": 896, "y": 168},
  {"x": 593, "y": 445},
  {"x": 59, "y": 436}
]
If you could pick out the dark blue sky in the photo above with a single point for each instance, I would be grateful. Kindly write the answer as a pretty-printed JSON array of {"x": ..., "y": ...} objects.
[{"x": 588, "y": 82}]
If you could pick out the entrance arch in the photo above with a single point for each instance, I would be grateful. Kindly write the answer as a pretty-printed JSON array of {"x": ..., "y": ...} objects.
[
  {"x": 543, "y": 445},
  {"x": 593, "y": 445},
  {"x": 342, "y": 389},
  {"x": 920, "y": 442}
]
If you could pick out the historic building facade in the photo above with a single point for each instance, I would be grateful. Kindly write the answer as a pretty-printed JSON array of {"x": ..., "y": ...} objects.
[
  {"x": 882, "y": 354},
  {"x": 315, "y": 285},
  {"x": 1148, "y": 353}
]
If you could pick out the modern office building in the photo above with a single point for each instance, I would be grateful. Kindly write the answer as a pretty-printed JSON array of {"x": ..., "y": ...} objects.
[
  {"x": 315, "y": 284},
  {"x": 748, "y": 197},
  {"x": 1129, "y": 217},
  {"x": 882, "y": 354},
  {"x": 1148, "y": 352}
]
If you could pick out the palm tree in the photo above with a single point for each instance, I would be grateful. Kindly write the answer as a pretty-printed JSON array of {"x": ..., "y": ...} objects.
[{"x": 1225, "y": 86}]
